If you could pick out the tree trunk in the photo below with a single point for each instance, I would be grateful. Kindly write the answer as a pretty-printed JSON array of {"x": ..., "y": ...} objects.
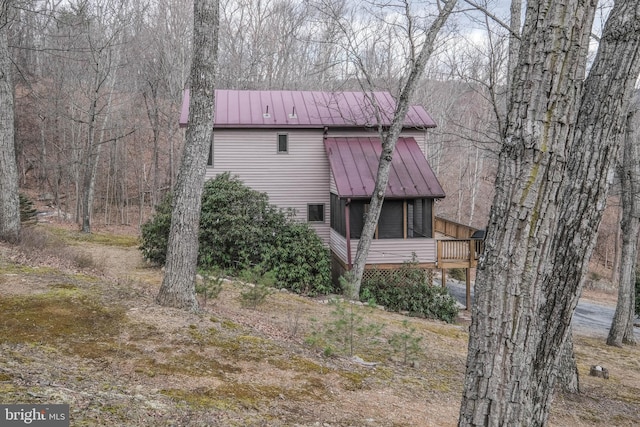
[
  {"x": 9, "y": 200},
  {"x": 498, "y": 378},
  {"x": 615, "y": 271},
  {"x": 622, "y": 326},
  {"x": 105, "y": 69},
  {"x": 178, "y": 285},
  {"x": 550, "y": 193},
  {"x": 389, "y": 139},
  {"x": 153, "y": 114},
  {"x": 598, "y": 132},
  {"x": 90, "y": 164},
  {"x": 568, "y": 378}
]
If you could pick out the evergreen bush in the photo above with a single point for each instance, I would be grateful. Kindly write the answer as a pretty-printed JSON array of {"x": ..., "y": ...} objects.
[
  {"x": 240, "y": 230},
  {"x": 155, "y": 233},
  {"x": 406, "y": 290}
]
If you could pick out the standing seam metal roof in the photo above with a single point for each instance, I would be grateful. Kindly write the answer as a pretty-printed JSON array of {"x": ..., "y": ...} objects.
[
  {"x": 354, "y": 165},
  {"x": 250, "y": 109}
]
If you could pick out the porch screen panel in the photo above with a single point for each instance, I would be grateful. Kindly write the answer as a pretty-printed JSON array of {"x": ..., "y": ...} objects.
[
  {"x": 422, "y": 218},
  {"x": 391, "y": 222},
  {"x": 410, "y": 219},
  {"x": 337, "y": 219},
  {"x": 356, "y": 218},
  {"x": 428, "y": 217}
]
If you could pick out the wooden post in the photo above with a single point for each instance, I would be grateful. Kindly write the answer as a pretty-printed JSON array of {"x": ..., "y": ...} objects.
[
  {"x": 405, "y": 220},
  {"x": 444, "y": 277},
  {"x": 472, "y": 252}
]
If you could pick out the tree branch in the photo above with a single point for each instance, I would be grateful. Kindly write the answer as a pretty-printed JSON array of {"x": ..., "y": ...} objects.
[{"x": 493, "y": 17}]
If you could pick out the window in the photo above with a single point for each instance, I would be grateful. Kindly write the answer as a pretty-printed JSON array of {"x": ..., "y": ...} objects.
[
  {"x": 315, "y": 213},
  {"x": 283, "y": 143}
]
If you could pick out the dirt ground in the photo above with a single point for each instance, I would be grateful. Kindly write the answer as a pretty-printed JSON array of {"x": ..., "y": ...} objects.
[{"x": 78, "y": 325}]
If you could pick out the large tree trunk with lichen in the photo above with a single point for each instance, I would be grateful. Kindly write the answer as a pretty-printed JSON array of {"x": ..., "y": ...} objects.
[
  {"x": 568, "y": 378},
  {"x": 593, "y": 151},
  {"x": 560, "y": 140},
  {"x": 178, "y": 285},
  {"x": 9, "y": 200},
  {"x": 621, "y": 331}
]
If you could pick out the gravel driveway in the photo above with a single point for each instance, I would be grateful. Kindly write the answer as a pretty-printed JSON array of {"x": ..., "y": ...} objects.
[{"x": 589, "y": 318}]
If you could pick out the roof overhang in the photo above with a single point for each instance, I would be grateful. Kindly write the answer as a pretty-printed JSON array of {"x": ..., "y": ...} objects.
[{"x": 354, "y": 165}]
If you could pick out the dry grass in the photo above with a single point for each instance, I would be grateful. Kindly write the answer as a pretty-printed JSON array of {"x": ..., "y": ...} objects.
[{"x": 94, "y": 338}]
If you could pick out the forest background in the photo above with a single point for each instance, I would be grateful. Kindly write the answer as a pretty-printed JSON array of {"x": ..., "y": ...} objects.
[{"x": 98, "y": 87}]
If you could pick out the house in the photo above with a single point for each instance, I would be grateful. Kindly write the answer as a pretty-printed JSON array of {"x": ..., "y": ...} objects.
[{"x": 317, "y": 152}]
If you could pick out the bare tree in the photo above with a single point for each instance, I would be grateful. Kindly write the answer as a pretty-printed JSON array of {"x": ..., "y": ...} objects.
[
  {"x": 621, "y": 331},
  {"x": 178, "y": 285},
  {"x": 263, "y": 43},
  {"x": 105, "y": 49},
  {"x": 560, "y": 140},
  {"x": 389, "y": 137},
  {"x": 162, "y": 68},
  {"x": 9, "y": 200}
]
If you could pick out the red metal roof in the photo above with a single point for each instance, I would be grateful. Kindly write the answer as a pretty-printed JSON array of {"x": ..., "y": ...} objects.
[
  {"x": 354, "y": 164},
  {"x": 253, "y": 108}
]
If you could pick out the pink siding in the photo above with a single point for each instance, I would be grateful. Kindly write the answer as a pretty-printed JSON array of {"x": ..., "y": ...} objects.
[
  {"x": 292, "y": 180},
  {"x": 387, "y": 251}
]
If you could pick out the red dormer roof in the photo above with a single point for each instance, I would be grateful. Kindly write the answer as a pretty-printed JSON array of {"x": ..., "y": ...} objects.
[{"x": 305, "y": 109}]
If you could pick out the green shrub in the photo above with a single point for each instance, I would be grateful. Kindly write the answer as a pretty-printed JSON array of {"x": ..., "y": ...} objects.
[
  {"x": 298, "y": 258},
  {"x": 406, "y": 290},
  {"x": 240, "y": 230},
  {"x": 155, "y": 233},
  {"x": 260, "y": 286},
  {"x": 254, "y": 296},
  {"x": 235, "y": 224}
]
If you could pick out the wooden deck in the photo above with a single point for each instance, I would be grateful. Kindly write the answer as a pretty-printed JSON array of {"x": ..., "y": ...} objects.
[{"x": 457, "y": 249}]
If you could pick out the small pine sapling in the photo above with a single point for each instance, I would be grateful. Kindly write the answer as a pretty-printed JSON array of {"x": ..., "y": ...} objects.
[
  {"x": 210, "y": 287},
  {"x": 406, "y": 343},
  {"x": 257, "y": 294}
]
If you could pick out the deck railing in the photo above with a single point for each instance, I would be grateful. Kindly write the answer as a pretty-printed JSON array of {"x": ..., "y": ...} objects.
[
  {"x": 453, "y": 253},
  {"x": 462, "y": 251},
  {"x": 453, "y": 229}
]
